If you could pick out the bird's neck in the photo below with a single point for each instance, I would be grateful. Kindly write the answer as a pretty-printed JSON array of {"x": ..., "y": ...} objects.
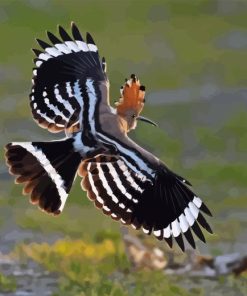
[{"x": 123, "y": 124}]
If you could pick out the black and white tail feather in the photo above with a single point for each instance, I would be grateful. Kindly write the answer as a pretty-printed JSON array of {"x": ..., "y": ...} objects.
[
  {"x": 47, "y": 170},
  {"x": 122, "y": 179}
]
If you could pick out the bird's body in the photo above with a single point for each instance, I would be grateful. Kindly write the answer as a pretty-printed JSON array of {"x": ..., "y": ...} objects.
[{"x": 70, "y": 94}]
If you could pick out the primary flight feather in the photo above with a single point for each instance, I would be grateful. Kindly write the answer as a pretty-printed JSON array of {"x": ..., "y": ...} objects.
[{"x": 70, "y": 94}]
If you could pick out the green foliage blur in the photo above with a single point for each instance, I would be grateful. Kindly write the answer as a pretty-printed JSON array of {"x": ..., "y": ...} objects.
[{"x": 194, "y": 49}]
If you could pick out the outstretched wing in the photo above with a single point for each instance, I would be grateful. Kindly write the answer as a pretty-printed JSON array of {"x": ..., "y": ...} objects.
[
  {"x": 164, "y": 206},
  {"x": 68, "y": 80}
]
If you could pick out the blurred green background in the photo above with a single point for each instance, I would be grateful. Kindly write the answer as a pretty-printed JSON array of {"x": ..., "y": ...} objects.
[{"x": 192, "y": 58}]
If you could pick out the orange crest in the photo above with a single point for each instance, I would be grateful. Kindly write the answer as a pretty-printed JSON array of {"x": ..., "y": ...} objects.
[{"x": 132, "y": 97}]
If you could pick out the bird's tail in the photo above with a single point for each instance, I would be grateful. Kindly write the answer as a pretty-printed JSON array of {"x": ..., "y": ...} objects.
[{"x": 46, "y": 168}]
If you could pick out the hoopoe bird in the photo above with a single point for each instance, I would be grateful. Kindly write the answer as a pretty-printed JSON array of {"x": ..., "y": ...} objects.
[{"x": 70, "y": 94}]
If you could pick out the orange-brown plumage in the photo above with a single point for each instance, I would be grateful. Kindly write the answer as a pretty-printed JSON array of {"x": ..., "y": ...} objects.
[{"x": 132, "y": 97}]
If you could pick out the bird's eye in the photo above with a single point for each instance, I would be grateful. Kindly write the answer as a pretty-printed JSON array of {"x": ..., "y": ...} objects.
[{"x": 133, "y": 116}]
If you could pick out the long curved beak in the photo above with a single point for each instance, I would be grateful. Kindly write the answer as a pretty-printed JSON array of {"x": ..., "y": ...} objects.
[{"x": 142, "y": 118}]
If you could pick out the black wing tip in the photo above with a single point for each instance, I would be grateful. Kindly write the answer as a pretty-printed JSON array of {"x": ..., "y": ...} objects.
[
  {"x": 48, "y": 33},
  {"x": 53, "y": 38},
  {"x": 209, "y": 229},
  {"x": 180, "y": 242},
  {"x": 59, "y": 27},
  {"x": 42, "y": 43},
  {"x": 169, "y": 241},
  {"x": 89, "y": 38},
  {"x": 64, "y": 35},
  {"x": 76, "y": 32},
  {"x": 205, "y": 210},
  {"x": 74, "y": 26},
  {"x": 198, "y": 232},
  {"x": 202, "y": 221},
  {"x": 37, "y": 52},
  {"x": 188, "y": 235}
]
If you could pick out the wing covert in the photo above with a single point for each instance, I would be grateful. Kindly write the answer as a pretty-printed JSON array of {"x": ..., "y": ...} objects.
[{"x": 63, "y": 77}]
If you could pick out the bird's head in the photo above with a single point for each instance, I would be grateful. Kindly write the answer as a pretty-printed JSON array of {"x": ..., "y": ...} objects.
[{"x": 131, "y": 103}]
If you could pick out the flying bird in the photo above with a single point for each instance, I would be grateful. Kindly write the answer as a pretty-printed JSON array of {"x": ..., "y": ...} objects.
[{"x": 70, "y": 95}]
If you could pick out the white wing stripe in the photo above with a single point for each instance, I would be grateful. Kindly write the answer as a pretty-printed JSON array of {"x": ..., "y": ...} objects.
[
  {"x": 79, "y": 98},
  {"x": 44, "y": 56},
  {"x": 176, "y": 230},
  {"x": 146, "y": 231},
  {"x": 106, "y": 209},
  {"x": 82, "y": 45},
  {"x": 92, "y": 47},
  {"x": 63, "y": 48},
  {"x": 167, "y": 232},
  {"x": 121, "y": 205},
  {"x": 53, "y": 51},
  {"x": 69, "y": 89},
  {"x": 105, "y": 184},
  {"x": 95, "y": 191},
  {"x": 66, "y": 104},
  {"x": 43, "y": 115},
  {"x": 189, "y": 216},
  {"x": 129, "y": 178},
  {"x": 54, "y": 109},
  {"x": 118, "y": 181},
  {"x": 197, "y": 201},
  {"x": 72, "y": 45},
  {"x": 39, "y": 63},
  {"x": 184, "y": 225},
  {"x": 92, "y": 102},
  {"x": 157, "y": 233},
  {"x": 79, "y": 145},
  {"x": 194, "y": 210}
]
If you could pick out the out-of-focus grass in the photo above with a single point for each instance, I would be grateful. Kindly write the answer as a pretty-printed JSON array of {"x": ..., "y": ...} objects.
[
  {"x": 240, "y": 284},
  {"x": 99, "y": 269},
  {"x": 227, "y": 174},
  {"x": 7, "y": 284},
  {"x": 74, "y": 222}
]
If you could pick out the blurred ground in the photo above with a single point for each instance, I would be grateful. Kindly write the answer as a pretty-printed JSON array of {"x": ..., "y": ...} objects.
[{"x": 192, "y": 58}]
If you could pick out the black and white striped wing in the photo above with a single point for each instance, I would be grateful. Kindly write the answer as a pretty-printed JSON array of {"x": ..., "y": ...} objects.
[
  {"x": 65, "y": 78},
  {"x": 165, "y": 207},
  {"x": 103, "y": 180}
]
